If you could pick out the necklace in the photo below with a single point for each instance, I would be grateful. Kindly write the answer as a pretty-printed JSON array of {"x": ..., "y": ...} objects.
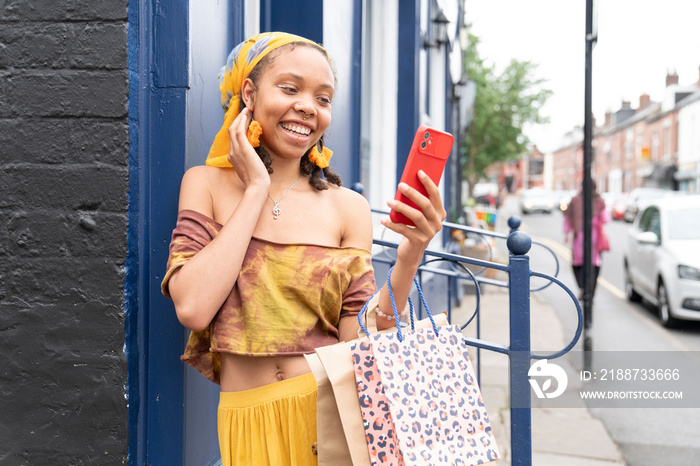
[{"x": 276, "y": 211}]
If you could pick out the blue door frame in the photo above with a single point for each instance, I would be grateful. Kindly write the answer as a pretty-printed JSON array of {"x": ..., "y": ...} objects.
[{"x": 158, "y": 79}]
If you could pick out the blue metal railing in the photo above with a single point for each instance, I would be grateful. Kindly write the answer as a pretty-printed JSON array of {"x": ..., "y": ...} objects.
[{"x": 519, "y": 350}]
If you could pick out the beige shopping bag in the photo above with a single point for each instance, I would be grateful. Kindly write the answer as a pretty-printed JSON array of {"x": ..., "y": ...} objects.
[
  {"x": 331, "y": 445},
  {"x": 337, "y": 363}
]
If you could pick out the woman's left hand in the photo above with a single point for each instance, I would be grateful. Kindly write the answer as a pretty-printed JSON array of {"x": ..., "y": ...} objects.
[{"x": 427, "y": 218}]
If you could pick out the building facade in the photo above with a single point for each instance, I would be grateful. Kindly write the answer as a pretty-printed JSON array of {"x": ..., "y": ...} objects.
[
  {"x": 104, "y": 105},
  {"x": 688, "y": 174},
  {"x": 653, "y": 145}
]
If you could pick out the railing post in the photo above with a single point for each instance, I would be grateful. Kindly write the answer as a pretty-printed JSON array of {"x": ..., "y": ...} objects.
[
  {"x": 519, "y": 244},
  {"x": 514, "y": 223}
]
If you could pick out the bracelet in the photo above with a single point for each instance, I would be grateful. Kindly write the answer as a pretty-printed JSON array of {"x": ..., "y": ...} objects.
[{"x": 390, "y": 316}]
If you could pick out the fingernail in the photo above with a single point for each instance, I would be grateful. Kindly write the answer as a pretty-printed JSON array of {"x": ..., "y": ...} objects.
[
  {"x": 403, "y": 186},
  {"x": 391, "y": 203}
]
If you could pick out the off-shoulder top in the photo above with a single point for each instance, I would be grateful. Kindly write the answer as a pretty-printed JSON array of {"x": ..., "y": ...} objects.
[{"x": 288, "y": 298}]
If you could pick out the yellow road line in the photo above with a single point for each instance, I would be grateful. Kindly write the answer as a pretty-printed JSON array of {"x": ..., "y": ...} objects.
[{"x": 612, "y": 288}]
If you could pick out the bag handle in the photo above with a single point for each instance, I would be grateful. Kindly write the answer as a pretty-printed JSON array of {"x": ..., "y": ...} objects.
[{"x": 396, "y": 312}]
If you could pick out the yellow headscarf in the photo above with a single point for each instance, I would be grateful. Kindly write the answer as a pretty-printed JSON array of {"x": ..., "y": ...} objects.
[{"x": 239, "y": 64}]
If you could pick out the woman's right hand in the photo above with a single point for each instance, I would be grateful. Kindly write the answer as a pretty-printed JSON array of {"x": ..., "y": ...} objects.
[{"x": 250, "y": 169}]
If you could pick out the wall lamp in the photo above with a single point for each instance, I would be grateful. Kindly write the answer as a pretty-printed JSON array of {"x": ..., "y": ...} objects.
[{"x": 440, "y": 23}]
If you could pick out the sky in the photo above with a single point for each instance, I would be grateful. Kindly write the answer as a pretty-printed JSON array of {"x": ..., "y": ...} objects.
[{"x": 638, "y": 41}]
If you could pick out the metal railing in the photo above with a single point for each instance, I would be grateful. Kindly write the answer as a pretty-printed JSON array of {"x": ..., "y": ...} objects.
[{"x": 519, "y": 350}]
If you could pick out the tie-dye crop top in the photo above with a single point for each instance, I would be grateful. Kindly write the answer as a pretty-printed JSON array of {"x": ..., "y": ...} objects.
[{"x": 288, "y": 298}]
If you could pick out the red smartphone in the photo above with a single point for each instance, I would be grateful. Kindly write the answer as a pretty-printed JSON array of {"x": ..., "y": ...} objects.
[{"x": 429, "y": 152}]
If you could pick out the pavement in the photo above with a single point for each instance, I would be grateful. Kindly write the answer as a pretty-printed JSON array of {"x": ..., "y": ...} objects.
[{"x": 570, "y": 435}]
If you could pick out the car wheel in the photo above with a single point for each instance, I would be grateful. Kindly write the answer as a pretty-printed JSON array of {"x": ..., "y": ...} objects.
[
  {"x": 667, "y": 320},
  {"x": 632, "y": 295}
]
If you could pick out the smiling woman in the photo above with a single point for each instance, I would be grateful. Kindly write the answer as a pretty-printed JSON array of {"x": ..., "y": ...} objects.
[
  {"x": 270, "y": 91},
  {"x": 270, "y": 257}
]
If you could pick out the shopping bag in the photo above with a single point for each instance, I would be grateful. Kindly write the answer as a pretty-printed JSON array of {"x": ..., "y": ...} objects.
[
  {"x": 341, "y": 439},
  {"x": 331, "y": 446},
  {"x": 434, "y": 400},
  {"x": 380, "y": 434},
  {"x": 341, "y": 434}
]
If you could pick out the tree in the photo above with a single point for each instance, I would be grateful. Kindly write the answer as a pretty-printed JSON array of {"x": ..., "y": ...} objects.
[{"x": 503, "y": 105}]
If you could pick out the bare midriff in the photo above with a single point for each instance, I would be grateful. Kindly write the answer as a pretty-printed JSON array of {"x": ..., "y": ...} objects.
[{"x": 248, "y": 372}]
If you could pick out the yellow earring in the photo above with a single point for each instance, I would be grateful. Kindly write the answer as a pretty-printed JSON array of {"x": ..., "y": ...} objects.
[
  {"x": 321, "y": 159},
  {"x": 254, "y": 133}
]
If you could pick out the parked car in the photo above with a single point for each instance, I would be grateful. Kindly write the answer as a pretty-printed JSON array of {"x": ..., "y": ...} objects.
[
  {"x": 639, "y": 197},
  {"x": 618, "y": 206},
  {"x": 537, "y": 200},
  {"x": 662, "y": 258}
]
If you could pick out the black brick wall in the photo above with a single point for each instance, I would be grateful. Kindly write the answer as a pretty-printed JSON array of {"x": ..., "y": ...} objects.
[{"x": 63, "y": 222}]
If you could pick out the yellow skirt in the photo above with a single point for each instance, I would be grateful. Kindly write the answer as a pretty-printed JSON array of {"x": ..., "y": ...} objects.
[{"x": 272, "y": 425}]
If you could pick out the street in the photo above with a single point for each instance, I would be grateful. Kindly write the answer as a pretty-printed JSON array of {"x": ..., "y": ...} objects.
[{"x": 646, "y": 436}]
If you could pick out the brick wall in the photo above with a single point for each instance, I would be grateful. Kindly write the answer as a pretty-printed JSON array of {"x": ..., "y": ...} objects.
[{"x": 63, "y": 223}]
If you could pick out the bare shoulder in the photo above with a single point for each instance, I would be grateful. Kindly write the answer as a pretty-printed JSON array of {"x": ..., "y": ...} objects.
[
  {"x": 356, "y": 217},
  {"x": 195, "y": 189},
  {"x": 348, "y": 198}
]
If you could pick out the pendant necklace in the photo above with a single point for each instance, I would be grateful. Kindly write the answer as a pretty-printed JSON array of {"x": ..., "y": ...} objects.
[{"x": 276, "y": 211}]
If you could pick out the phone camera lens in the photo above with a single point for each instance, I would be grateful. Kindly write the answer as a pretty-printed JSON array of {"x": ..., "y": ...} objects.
[
  {"x": 423, "y": 145},
  {"x": 426, "y": 135}
]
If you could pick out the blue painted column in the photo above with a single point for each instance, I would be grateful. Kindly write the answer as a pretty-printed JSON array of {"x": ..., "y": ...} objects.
[
  {"x": 519, "y": 244},
  {"x": 408, "y": 107},
  {"x": 158, "y": 81}
]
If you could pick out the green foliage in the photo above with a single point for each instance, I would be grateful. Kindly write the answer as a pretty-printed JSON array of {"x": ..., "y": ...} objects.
[{"x": 503, "y": 105}]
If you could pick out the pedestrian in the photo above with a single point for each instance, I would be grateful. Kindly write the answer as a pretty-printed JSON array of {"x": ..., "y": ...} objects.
[
  {"x": 573, "y": 225},
  {"x": 269, "y": 259}
]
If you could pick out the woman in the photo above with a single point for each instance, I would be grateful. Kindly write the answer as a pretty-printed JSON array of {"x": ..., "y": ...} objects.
[
  {"x": 573, "y": 224},
  {"x": 269, "y": 260}
]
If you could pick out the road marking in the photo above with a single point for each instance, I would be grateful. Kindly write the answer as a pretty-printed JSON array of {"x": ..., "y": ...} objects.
[{"x": 612, "y": 288}]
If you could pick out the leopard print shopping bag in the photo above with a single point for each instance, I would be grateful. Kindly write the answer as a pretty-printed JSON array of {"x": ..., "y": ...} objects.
[{"x": 434, "y": 400}]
